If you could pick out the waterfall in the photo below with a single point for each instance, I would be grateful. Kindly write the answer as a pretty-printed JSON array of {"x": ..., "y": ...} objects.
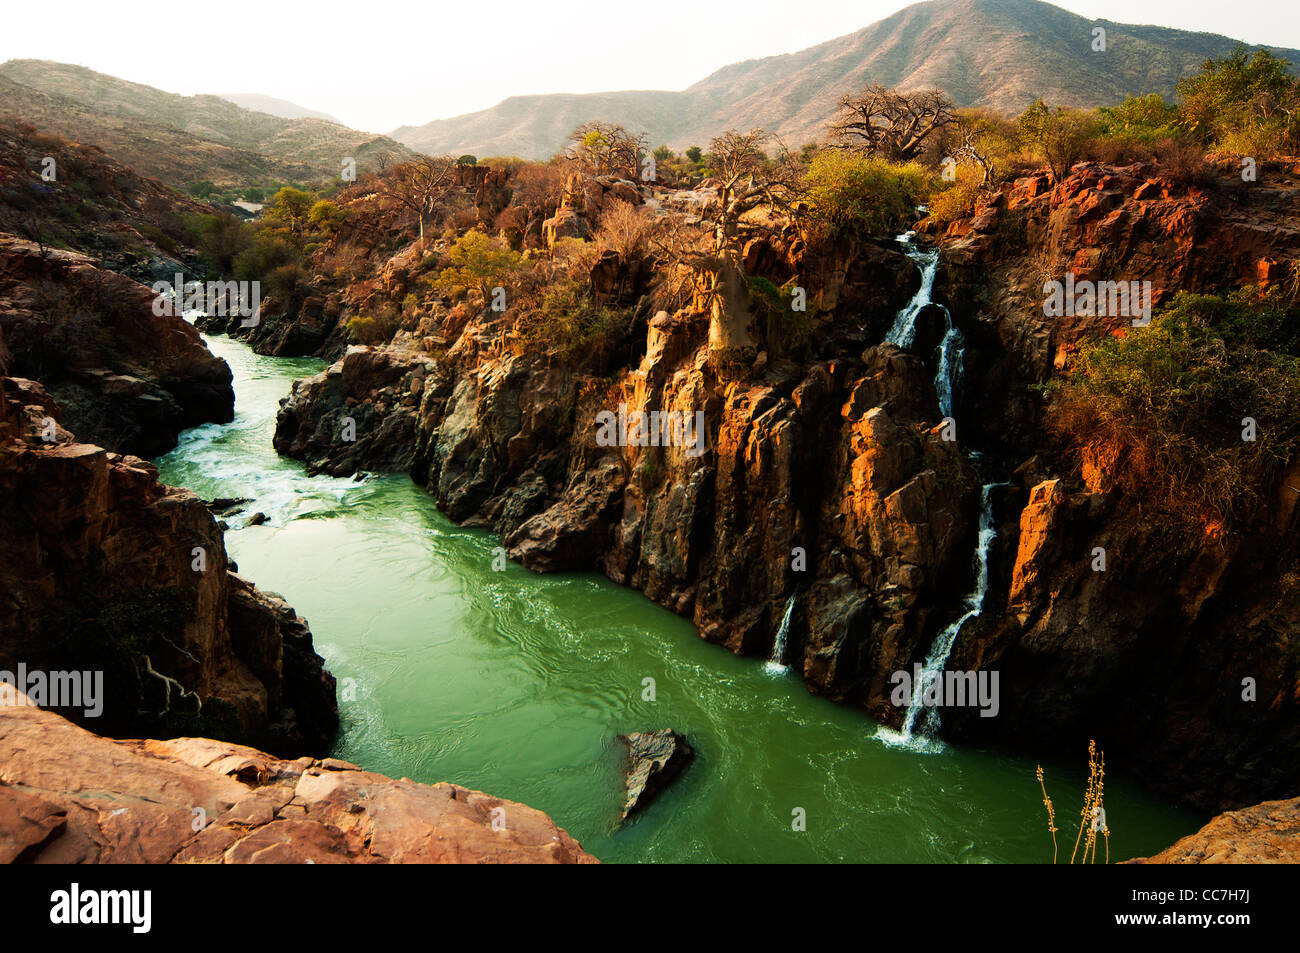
[
  {"x": 943, "y": 643},
  {"x": 927, "y": 259},
  {"x": 948, "y": 377},
  {"x": 903, "y": 332},
  {"x": 776, "y": 664}
]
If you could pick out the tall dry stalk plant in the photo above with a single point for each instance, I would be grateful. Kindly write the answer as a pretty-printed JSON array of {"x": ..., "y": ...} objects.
[{"x": 1093, "y": 815}]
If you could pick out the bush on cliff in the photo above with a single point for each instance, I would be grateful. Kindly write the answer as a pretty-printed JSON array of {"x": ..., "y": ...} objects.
[
  {"x": 782, "y": 329},
  {"x": 960, "y": 197},
  {"x": 1060, "y": 137},
  {"x": 481, "y": 263},
  {"x": 376, "y": 328},
  {"x": 858, "y": 195},
  {"x": 1170, "y": 402},
  {"x": 1245, "y": 100},
  {"x": 571, "y": 327}
]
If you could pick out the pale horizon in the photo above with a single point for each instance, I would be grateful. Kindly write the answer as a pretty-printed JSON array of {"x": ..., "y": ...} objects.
[{"x": 413, "y": 77}]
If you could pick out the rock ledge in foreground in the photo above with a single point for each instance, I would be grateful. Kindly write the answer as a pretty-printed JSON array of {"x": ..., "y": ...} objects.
[
  {"x": 70, "y": 796},
  {"x": 1267, "y": 833}
]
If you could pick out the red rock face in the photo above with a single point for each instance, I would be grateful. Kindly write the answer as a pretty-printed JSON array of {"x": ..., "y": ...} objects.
[
  {"x": 193, "y": 800},
  {"x": 1150, "y": 655},
  {"x": 97, "y": 567}
]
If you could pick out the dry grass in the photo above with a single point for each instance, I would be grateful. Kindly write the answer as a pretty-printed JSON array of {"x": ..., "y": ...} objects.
[{"x": 1092, "y": 816}]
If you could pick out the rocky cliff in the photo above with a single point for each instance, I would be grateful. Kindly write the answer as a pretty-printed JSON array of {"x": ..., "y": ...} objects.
[
  {"x": 103, "y": 569},
  {"x": 826, "y": 475},
  {"x": 1157, "y": 650},
  {"x": 68, "y": 796}
]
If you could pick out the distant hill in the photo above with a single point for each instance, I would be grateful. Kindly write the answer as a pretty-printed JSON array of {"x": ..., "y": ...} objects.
[
  {"x": 1000, "y": 54},
  {"x": 275, "y": 107},
  {"x": 162, "y": 152},
  {"x": 183, "y": 139}
]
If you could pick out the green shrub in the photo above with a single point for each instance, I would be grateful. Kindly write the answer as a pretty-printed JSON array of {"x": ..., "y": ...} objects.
[
  {"x": 959, "y": 198},
  {"x": 1244, "y": 94},
  {"x": 864, "y": 195},
  {"x": 1059, "y": 137},
  {"x": 479, "y": 262},
  {"x": 572, "y": 327},
  {"x": 375, "y": 328},
  {"x": 1171, "y": 399},
  {"x": 782, "y": 329}
]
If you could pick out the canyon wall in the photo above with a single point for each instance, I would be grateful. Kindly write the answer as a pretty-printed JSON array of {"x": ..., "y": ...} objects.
[
  {"x": 127, "y": 379},
  {"x": 828, "y": 476}
]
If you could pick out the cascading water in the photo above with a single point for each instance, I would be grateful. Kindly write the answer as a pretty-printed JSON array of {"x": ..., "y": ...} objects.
[
  {"x": 515, "y": 682},
  {"x": 942, "y": 647},
  {"x": 903, "y": 332},
  {"x": 948, "y": 377},
  {"x": 946, "y": 381},
  {"x": 927, "y": 259},
  {"x": 776, "y": 664}
]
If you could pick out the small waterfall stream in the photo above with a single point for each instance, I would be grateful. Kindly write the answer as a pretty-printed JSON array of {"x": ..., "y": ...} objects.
[
  {"x": 944, "y": 642},
  {"x": 946, "y": 381},
  {"x": 776, "y": 664},
  {"x": 903, "y": 332}
]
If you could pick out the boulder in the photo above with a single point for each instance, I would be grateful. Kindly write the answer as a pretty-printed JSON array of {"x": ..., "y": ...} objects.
[
  {"x": 654, "y": 760},
  {"x": 1262, "y": 834},
  {"x": 566, "y": 223}
]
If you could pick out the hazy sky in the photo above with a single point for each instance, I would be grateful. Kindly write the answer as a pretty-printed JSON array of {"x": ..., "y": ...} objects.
[{"x": 379, "y": 65}]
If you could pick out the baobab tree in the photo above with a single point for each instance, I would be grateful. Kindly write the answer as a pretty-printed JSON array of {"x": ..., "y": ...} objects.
[
  {"x": 421, "y": 185},
  {"x": 747, "y": 179},
  {"x": 606, "y": 148},
  {"x": 882, "y": 121}
]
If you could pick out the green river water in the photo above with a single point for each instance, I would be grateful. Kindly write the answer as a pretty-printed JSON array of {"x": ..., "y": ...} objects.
[{"x": 517, "y": 684}]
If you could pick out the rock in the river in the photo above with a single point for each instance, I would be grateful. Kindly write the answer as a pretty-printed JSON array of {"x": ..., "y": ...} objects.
[{"x": 654, "y": 760}]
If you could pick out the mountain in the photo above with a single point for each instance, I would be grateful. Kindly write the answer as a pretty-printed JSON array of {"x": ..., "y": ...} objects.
[
  {"x": 1000, "y": 54},
  {"x": 275, "y": 107},
  {"x": 182, "y": 139}
]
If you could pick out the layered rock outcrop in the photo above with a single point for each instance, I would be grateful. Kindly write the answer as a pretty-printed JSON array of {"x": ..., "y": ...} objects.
[
  {"x": 68, "y": 796},
  {"x": 830, "y": 480},
  {"x": 104, "y": 569},
  {"x": 126, "y": 378},
  {"x": 359, "y": 413}
]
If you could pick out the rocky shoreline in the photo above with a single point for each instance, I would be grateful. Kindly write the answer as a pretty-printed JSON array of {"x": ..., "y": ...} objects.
[{"x": 68, "y": 796}]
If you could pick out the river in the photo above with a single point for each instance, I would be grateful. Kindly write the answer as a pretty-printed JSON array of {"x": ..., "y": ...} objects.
[{"x": 517, "y": 684}]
